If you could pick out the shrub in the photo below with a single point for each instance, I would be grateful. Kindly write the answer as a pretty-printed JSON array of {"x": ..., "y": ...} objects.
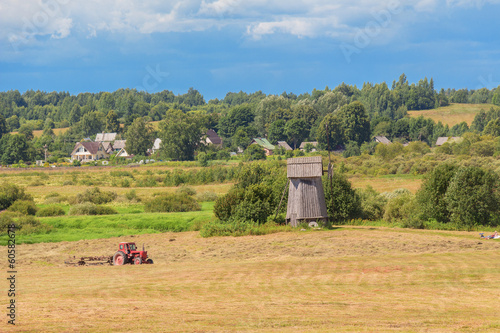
[
  {"x": 472, "y": 197},
  {"x": 186, "y": 190},
  {"x": 26, "y": 207},
  {"x": 430, "y": 197},
  {"x": 10, "y": 193},
  {"x": 400, "y": 208},
  {"x": 254, "y": 152},
  {"x": 207, "y": 196},
  {"x": 30, "y": 225},
  {"x": 225, "y": 205},
  {"x": 50, "y": 211},
  {"x": 346, "y": 203},
  {"x": 372, "y": 204},
  {"x": 5, "y": 221},
  {"x": 175, "y": 202},
  {"x": 132, "y": 195},
  {"x": 96, "y": 196},
  {"x": 88, "y": 208},
  {"x": 76, "y": 163}
]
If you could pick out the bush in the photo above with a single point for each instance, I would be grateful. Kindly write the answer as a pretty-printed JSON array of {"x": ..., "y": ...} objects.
[
  {"x": 226, "y": 205},
  {"x": 346, "y": 202},
  {"x": 186, "y": 190},
  {"x": 175, "y": 202},
  {"x": 472, "y": 197},
  {"x": 29, "y": 225},
  {"x": 132, "y": 195},
  {"x": 206, "y": 196},
  {"x": 88, "y": 208},
  {"x": 26, "y": 207},
  {"x": 254, "y": 152},
  {"x": 400, "y": 208},
  {"x": 372, "y": 204},
  {"x": 96, "y": 196},
  {"x": 10, "y": 193},
  {"x": 50, "y": 211}
]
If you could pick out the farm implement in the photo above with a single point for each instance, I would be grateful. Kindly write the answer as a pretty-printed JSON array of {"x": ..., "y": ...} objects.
[{"x": 127, "y": 254}]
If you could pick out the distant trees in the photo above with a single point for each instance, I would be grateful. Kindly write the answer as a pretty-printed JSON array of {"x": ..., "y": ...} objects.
[
  {"x": 139, "y": 137},
  {"x": 180, "y": 134}
]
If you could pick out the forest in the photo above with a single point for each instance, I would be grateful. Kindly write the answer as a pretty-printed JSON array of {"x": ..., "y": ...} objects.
[{"x": 353, "y": 116}]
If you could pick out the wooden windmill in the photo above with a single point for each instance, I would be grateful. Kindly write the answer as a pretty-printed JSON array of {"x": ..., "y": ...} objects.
[{"x": 306, "y": 197}]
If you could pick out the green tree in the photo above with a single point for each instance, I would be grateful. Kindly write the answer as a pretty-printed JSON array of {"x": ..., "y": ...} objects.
[
  {"x": 241, "y": 139},
  {"x": 255, "y": 152},
  {"x": 15, "y": 149},
  {"x": 296, "y": 131},
  {"x": 330, "y": 129},
  {"x": 139, "y": 137},
  {"x": 342, "y": 201},
  {"x": 3, "y": 126},
  {"x": 75, "y": 114},
  {"x": 180, "y": 134},
  {"x": 112, "y": 123},
  {"x": 238, "y": 116},
  {"x": 431, "y": 196},
  {"x": 355, "y": 122},
  {"x": 472, "y": 197},
  {"x": 277, "y": 131}
]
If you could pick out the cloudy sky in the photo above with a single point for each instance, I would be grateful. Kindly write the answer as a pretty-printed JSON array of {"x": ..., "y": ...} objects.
[{"x": 218, "y": 46}]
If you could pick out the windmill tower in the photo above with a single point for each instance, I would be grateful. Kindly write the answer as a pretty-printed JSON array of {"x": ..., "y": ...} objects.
[{"x": 306, "y": 197}]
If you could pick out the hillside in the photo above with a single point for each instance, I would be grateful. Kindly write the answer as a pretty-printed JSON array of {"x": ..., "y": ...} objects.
[{"x": 453, "y": 114}]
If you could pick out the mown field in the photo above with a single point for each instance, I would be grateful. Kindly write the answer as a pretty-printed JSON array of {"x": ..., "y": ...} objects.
[
  {"x": 349, "y": 279},
  {"x": 453, "y": 114}
]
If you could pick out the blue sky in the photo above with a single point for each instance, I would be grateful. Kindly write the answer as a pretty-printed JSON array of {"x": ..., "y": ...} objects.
[{"x": 217, "y": 46}]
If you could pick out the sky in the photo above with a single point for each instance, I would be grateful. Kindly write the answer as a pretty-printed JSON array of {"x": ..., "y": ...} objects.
[{"x": 220, "y": 46}]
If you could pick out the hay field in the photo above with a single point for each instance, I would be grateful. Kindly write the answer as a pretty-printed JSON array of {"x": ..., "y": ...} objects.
[
  {"x": 453, "y": 114},
  {"x": 348, "y": 279}
]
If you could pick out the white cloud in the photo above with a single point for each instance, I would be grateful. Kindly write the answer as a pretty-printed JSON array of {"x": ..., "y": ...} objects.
[{"x": 59, "y": 19}]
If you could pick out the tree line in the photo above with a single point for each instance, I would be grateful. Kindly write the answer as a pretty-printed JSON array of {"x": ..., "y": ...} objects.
[{"x": 353, "y": 116}]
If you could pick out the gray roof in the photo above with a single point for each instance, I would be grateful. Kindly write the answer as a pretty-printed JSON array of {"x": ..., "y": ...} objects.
[
  {"x": 304, "y": 167},
  {"x": 382, "y": 139},
  {"x": 119, "y": 144},
  {"x": 105, "y": 137},
  {"x": 284, "y": 145},
  {"x": 443, "y": 139},
  {"x": 303, "y": 144},
  {"x": 213, "y": 137}
]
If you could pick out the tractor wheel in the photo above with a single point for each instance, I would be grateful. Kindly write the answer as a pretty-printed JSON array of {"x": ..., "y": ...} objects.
[
  {"x": 119, "y": 258},
  {"x": 149, "y": 261},
  {"x": 137, "y": 261}
]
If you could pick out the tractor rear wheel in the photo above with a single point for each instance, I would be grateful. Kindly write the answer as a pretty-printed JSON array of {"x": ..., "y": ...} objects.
[
  {"x": 119, "y": 258},
  {"x": 137, "y": 261},
  {"x": 149, "y": 261}
]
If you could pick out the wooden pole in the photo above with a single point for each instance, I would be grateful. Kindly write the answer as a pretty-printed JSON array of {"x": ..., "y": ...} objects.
[{"x": 282, "y": 196}]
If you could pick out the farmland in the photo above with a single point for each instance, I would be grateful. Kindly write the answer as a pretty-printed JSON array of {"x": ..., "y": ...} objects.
[
  {"x": 346, "y": 279},
  {"x": 453, "y": 114}
]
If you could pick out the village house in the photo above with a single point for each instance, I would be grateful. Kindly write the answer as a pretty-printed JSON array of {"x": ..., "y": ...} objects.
[
  {"x": 264, "y": 143},
  {"x": 444, "y": 139},
  {"x": 89, "y": 151},
  {"x": 284, "y": 144},
  {"x": 213, "y": 138},
  {"x": 313, "y": 143},
  {"x": 382, "y": 139}
]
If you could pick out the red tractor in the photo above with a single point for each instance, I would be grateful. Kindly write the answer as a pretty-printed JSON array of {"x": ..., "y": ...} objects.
[{"x": 128, "y": 253}]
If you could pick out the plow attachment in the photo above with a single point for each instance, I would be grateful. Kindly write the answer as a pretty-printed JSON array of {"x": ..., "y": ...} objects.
[{"x": 88, "y": 261}]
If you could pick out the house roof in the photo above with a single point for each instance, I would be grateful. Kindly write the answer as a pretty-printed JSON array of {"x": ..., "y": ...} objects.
[
  {"x": 105, "y": 137},
  {"x": 303, "y": 144},
  {"x": 443, "y": 139},
  {"x": 213, "y": 137},
  {"x": 108, "y": 147},
  {"x": 284, "y": 145},
  {"x": 92, "y": 147},
  {"x": 263, "y": 143},
  {"x": 382, "y": 139},
  {"x": 119, "y": 144}
]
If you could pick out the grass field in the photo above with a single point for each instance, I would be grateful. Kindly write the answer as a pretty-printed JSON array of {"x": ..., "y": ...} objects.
[
  {"x": 453, "y": 114},
  {"x": 344, "y": 280}
]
